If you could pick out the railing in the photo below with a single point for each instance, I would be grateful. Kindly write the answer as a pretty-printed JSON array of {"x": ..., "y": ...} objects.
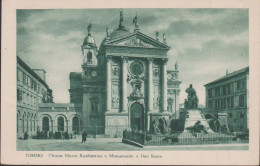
[
  {"x": 188, "y": 139},
  {"x": 134, "y": 137},
  {"x": 176, "y": 138}
]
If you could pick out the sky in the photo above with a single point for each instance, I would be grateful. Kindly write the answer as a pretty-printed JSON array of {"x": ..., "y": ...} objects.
[{"x": 205, "y": 42}]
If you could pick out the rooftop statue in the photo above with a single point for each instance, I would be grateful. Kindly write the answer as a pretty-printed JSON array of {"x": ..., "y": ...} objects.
[
  {"x": 157, "y": 35},
  {"x": 89, "y": 28},
  {"x": 193, "y": 100},
  {"x": 121, "y": 18},
  {"x": 164, "y": 38},
  {"x": 176, "y": 66},
  {"x": 135, "y": 21},
  {"x": 107, "y": 31}
]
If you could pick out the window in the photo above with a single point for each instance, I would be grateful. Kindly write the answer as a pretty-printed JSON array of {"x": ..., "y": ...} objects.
[
  {"x": 89, "y": 57},
  {"x": 24, "y": 79},
  {"x": 28, "y": 98},
  {"x": 27, "y": 81},
  {"x": 228, "y": 102},
  {"x": 210, "y": 104},
  {"x": 238, "y": 85},
  {"x": 217, "y": 91},
  {"x": 224, "y": 103},
  {"x": 217, "y": 104},
  {"x": 224, "y": 90},
  {"x": 31, "y": 83},
  {"x": 243, "y": 85},
  {"x": 18, "y": 78},
  {"x": 242, "y": 100},
  {"x": 19, "y": 95},
  {"x": 228, "y": 88},
  {"x": 210, "y": 92},
  {"x": 232, "y": 101},
  {"x": 35, "y": 86}
]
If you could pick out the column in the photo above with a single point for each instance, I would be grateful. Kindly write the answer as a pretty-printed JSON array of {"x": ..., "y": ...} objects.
[
  {"x": 54, "y": 126},
  {"x": 67, "y": 125},
  {"x": 164, "y": 85},
  {"x": 108, "y": 84},
  {"x": 84, "y": 109},
  {"x": 150, "y": 84},
  {"x": 124, "y": 84}
]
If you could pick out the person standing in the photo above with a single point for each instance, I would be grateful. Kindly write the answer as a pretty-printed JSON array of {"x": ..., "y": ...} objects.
[{"x": 84, "y": 137}]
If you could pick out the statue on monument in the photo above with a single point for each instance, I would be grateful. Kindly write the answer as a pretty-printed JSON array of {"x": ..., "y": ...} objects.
[{"x": 193, "y": 100}]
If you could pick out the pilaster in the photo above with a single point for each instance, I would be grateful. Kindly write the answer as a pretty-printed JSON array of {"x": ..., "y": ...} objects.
[
  {"x": 124, "y": 84},
  {"x": 150, "y": 84},
  {"x": 108, "y": 84},
  {"x": 164, "y": 85}
]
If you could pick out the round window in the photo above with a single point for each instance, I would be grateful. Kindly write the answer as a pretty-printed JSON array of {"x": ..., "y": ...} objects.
[{"x": 136, "y": 68}]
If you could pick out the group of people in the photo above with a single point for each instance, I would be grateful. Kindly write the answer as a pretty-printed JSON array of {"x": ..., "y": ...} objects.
[
  {"x": 56, "y": 135},
  {"x": 51, "y": 135}
]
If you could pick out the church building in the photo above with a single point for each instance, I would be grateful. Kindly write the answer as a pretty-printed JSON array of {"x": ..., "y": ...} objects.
[{"x": 125, "y": 82}]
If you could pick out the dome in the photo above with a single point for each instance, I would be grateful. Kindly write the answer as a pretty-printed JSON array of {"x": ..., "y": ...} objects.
[
  {"x": 89, "y": 40},
  {"x": 119, "y": 31}
]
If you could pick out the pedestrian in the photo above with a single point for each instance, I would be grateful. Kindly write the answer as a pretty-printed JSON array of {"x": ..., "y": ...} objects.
[
  {"x": 84, "y": 137},
  {"x": 25, "y": 136}
]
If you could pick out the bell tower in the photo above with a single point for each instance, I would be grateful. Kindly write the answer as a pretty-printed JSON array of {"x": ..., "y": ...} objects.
[{"x": 89, "y": 50}]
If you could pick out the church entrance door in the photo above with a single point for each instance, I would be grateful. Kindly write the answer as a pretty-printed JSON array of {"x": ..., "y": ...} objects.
[{"x": 137, "y": 116}]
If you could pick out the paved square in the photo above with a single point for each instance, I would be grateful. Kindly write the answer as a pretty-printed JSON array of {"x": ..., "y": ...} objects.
[{"x": 111, "y": 144}]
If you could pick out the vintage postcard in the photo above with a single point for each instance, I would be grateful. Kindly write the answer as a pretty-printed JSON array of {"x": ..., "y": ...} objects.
[{"x": 138, "y": 82}]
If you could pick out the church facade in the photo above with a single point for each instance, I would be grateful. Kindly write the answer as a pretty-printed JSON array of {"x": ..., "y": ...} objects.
[{"x": 125, "y": 82}]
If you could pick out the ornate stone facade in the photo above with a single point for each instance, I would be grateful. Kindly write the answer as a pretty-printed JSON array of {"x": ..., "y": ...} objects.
[{"x": 135, "y": 88}]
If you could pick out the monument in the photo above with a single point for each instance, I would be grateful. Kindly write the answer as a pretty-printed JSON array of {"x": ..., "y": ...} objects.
[{"x": 194, "y": 121}]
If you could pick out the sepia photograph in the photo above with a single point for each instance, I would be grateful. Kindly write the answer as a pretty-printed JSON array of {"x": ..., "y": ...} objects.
[{"x": 134, "y": 83}]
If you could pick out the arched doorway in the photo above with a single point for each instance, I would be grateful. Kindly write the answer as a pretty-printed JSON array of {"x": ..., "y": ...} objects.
[
  {"x": 75, "y": 124},
  {"x": 45, "y": 124},
  {"x": 137, "y": 116},
  {"x": 60, "y": 124}
]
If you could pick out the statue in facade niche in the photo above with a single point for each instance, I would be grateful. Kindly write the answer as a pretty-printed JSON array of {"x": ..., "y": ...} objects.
[
  {"x": 115, "y": 102},
  {"x": 193, "y": 100},
  {"x": 115, "y": 71},
  {"x": 136, "y": 92}
]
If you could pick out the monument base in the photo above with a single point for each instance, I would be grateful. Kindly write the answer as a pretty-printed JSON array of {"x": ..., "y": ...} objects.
[{"x": 193, "y": 116}]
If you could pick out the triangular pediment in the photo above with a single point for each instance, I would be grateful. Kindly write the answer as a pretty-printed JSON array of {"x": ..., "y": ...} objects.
[{"x": 137, "y": 40}]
